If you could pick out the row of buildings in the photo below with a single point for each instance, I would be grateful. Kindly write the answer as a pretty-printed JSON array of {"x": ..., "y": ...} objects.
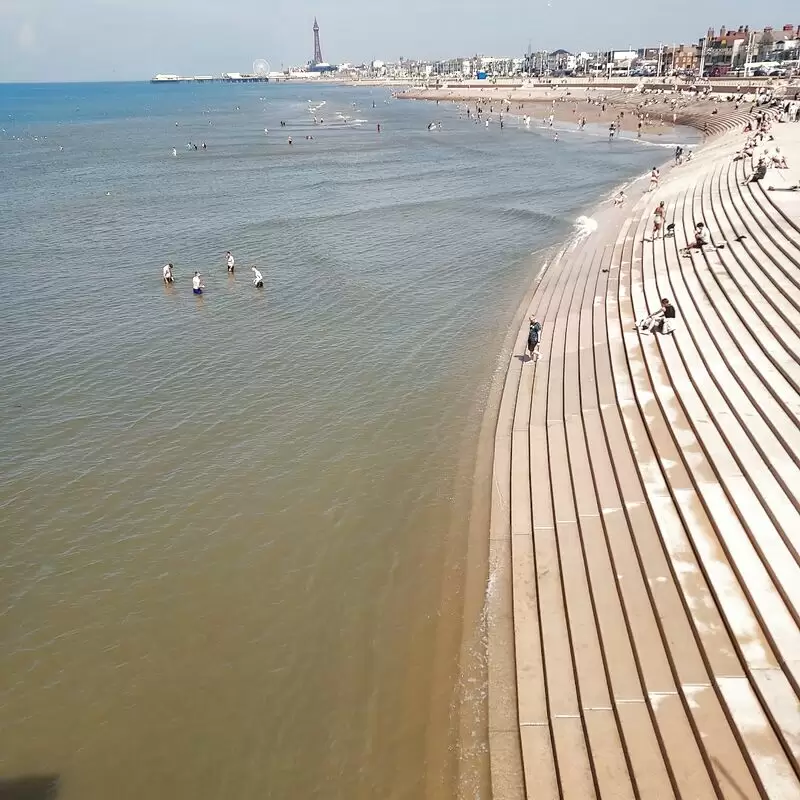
[{"x": 738, "y": 52}]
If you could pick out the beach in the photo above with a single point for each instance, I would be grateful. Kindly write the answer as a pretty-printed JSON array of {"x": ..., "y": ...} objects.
[{"x": 600, "y": 105}]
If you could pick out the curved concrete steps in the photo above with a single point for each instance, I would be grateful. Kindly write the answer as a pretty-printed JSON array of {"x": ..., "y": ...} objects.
[{"x": 648, "y": 489}]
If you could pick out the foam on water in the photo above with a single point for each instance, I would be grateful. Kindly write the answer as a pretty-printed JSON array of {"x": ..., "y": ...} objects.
[{"x": 585, "y": 226}]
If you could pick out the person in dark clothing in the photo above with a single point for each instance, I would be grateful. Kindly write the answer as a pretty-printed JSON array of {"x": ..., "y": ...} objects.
[
  {"x": 759, "y": 173},
  {"x": 662, "y": 321},
  {"x": 534, "y": 337}
]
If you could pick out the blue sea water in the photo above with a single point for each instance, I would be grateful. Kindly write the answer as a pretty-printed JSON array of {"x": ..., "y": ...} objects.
[{"x": 233, "y": 526}]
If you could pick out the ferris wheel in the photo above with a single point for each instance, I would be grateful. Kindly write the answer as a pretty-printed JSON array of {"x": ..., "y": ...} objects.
[{"x": 261, "y": 67}]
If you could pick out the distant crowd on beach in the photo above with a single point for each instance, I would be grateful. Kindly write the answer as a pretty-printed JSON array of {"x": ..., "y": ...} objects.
[
  {"x": 639, "y": 109},
  {"x": 198, "y": 286}
]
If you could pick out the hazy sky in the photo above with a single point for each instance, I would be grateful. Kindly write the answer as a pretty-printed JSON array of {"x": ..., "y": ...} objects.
[{"x": 52, "y": 40}]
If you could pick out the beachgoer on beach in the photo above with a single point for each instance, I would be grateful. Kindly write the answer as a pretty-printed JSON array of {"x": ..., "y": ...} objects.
[
  {"x": 258, "y": 278},
  {"x": 662, "y": 321},
  {"x": 700, "y": 235},
  {"x": 534, "y": 337},
  {"x": 654, "y": 176},
  {"x": 658, "y": 220},
  {"x": 620, "y": 198},
  {"x": 175, "y": 152},
  {"x": 167, "y": 273},
  {"x": 229, "y": 260},
  {"x": 700, "y": 239},
  {"x": 197, "y": 284}
]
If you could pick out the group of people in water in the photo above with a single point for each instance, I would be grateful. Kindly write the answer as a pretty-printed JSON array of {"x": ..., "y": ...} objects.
[{"x": 197, "y": 282}]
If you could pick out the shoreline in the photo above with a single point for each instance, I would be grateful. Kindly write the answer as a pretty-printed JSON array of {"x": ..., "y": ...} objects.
[
  {"x": 488, "y": 606},
  {"x": 490, "y": 572}
]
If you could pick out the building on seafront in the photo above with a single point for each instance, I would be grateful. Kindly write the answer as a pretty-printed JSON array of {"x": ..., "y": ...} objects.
[
  {"x": 317, "y": 64},
  {"x": 743, "y": 52},
  {"x": 732, "y": 51}
]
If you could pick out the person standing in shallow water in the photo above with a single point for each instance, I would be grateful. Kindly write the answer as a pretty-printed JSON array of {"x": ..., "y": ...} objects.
[
  {"x": 229, "y": 260},
  {"x": 197, "y": 284},
  {"x": 534, "y": 337}
]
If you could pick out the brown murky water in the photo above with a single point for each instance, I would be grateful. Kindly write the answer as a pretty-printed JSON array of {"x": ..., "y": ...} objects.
[{"x": 235, "y": 528}]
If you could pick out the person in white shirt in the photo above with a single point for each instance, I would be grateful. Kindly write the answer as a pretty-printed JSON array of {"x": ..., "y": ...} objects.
[
  {"x": 258, "y": 278},
  {"x": 230, "y": 262},
  {"x": 167, "y": 272},
  {"x": 197, "y": 285}
]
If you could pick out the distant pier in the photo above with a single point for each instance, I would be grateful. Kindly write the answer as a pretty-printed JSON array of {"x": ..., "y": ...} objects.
[{"x": 226, "y": 77}]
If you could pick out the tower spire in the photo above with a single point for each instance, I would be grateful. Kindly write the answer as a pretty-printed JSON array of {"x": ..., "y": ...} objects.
[{"x": 317, "y": 48}]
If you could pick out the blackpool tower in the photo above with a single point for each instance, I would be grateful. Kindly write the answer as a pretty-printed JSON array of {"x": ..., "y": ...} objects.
[{"x": 317, "y": 48}]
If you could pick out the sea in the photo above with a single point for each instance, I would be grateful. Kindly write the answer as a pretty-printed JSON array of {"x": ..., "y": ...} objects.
[{"x": 235, "y": 549}]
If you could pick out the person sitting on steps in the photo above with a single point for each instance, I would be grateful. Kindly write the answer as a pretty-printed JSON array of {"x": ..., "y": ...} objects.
[
  {"x": 663, "y": 320},
  {"x": 700, "y": 239}
]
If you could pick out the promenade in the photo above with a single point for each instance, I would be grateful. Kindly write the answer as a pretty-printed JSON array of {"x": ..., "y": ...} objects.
[{"x": 645, "y": 526}]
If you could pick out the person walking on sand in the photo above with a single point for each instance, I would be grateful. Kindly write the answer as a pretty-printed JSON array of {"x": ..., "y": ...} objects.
[
  {"x": 229, "y": 260},
  {"x": 258, "y": 278},
  {"x": 534, "y": 337},
  {"x": 167, "y": 273},
  {"x": 658, "y": 220},
  {"x": 197, "y": 284}
]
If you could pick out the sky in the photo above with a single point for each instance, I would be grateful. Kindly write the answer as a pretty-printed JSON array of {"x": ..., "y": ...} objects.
[{"x": 73, "y": 40}]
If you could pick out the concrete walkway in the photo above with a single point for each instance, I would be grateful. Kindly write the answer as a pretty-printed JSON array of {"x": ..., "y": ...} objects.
[{"x": 645, "y": 532}]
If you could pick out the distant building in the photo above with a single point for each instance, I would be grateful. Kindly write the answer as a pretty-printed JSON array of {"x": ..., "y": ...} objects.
[
  {"x": 561, "y": 61},
  {"x": 317, "y": 64},
  {"x": 680, "y": 58},
  {"x": 779, "y": 45},
  {"x": 731, "y": 50}
]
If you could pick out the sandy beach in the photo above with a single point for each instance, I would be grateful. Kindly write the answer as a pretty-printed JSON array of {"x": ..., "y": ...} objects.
[{"x": 600, "y": 105}]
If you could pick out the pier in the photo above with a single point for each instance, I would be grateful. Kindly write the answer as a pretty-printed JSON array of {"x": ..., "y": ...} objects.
[{"x": 227, "y": 77}]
